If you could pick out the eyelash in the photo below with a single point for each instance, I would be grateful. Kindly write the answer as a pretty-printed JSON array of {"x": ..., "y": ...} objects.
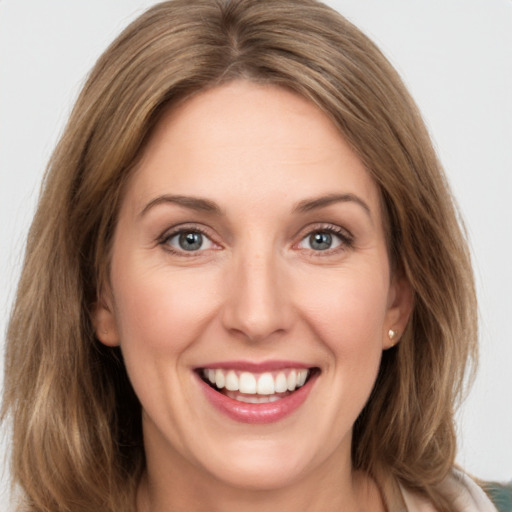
[
  {"x": 169, "y": 235},
  {"x": 345, "y": 238}
]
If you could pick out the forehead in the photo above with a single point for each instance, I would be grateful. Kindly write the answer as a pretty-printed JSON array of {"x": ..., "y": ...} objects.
[{"x": 244, "y": 142}]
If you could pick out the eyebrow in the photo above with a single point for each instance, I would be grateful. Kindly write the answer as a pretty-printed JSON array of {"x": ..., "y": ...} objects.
[
  {"x": 193, "y": 203},
  {"x": 323, "y": 201},
  {"x": 205, "y": 205}
]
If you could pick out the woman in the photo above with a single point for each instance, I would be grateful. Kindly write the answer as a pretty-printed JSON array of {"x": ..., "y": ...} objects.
[{"x": 245, "y": 285}]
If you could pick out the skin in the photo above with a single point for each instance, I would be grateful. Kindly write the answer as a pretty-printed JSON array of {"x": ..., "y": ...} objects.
[{"x": 256, "y": 291}]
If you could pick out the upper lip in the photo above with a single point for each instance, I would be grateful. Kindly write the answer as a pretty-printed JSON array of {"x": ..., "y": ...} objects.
[{"x": 255, "y": 367}]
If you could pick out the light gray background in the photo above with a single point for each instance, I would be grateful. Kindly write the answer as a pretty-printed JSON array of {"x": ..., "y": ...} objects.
[{"x": 456, "y": 58}]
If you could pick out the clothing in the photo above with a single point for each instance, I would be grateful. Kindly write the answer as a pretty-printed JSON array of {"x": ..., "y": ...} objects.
[
  {"x": 460, "y": 490},
  {"x": 501, "y": 495}
]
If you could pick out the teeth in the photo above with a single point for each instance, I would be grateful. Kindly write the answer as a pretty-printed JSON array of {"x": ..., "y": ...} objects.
[
  {"x": 302, "y": 375},
  {"x": 231, "y": 381},
  {"x": 247, "y": 383},
  {"x": 281, "y": 384},
  {"x": 265, "y": 384},
  {"x": 220, "y": 380},
  {"x": 253, "y": 399},
  {"x": 292, "y": 380}
]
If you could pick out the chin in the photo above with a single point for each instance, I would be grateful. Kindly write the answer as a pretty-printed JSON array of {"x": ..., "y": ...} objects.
[
  {"x": 259, "y": 464},
  {"x": 259, "y": 473}
]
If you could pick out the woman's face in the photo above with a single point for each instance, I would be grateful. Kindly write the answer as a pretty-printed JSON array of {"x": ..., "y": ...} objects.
[{"x": 250, "y": 252}]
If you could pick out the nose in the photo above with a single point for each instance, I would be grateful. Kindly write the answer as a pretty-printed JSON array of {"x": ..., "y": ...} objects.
[{"x": 257, "y": 305}]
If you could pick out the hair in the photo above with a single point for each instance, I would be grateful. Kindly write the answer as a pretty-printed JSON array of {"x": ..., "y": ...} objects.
[{"x": 76, "y": 422}]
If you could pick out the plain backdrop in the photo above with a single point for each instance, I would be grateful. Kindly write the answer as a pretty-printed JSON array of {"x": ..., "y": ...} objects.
[{"x": 454, "y": 55}]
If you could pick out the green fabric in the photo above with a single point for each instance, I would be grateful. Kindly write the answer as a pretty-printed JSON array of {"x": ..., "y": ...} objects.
[{"x": 501, "y": 495}]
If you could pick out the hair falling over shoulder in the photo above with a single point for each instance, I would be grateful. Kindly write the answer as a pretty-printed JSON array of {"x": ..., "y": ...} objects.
[{"x": 76, "y": 422}]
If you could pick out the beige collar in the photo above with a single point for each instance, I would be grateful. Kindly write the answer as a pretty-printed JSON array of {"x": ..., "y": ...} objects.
[{"x": 458, "y": 488}]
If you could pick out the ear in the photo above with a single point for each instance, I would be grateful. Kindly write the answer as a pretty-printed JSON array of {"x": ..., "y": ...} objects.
[
  {"x": 400, "y": 306},
  {"x": 104, "y": 321}
]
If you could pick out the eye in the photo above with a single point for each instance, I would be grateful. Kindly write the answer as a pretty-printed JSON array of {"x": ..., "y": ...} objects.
[
  {"x": 325, "y": 240},
  {"x": 320, "y": 241},
  {"x": 190, "y": 240}
]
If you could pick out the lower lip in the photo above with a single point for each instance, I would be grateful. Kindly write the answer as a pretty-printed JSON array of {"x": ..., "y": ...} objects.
[{"x": 269, "y": 412}]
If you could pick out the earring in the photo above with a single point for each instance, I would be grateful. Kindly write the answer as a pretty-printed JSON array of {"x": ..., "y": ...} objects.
[{"x": 392, "y": 334}]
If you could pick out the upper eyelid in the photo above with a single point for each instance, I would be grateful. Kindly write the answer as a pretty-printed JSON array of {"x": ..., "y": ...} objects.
[
  {"x": 345, "y": 237},
  {"x": 164, "y": 241},
  {"x": 305, "y": 231},
  {"x": 174, "y": 231},
  {"x": 323, "y": 226},
  {"x": 183, "y": 227}
]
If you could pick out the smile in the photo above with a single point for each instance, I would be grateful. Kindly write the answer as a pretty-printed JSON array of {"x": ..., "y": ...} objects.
[
  {"x": 253, "y": 387},
  {"x": 257, "y": 396}
]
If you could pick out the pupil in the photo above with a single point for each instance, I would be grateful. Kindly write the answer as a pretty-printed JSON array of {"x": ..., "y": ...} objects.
[
  {"x": 320, "y": 241},
  {"x": 191, "y": 241}
]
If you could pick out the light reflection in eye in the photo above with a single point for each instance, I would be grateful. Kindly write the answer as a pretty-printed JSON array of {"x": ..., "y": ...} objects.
[
  {"x": 323, "y": 240},
  {"x": 189, "y": 241}
]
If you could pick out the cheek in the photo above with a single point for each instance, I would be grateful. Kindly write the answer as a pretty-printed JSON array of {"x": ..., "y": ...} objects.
[
  {"x": 158, "y": 309},
  {"x": 347, "y": 308}
]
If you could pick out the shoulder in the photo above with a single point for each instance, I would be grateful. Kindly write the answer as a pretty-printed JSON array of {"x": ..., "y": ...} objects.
[{"x": 464, "y": 494}]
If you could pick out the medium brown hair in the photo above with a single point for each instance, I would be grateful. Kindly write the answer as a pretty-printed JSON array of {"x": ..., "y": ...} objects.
[{"x": 77, "y": 443}]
